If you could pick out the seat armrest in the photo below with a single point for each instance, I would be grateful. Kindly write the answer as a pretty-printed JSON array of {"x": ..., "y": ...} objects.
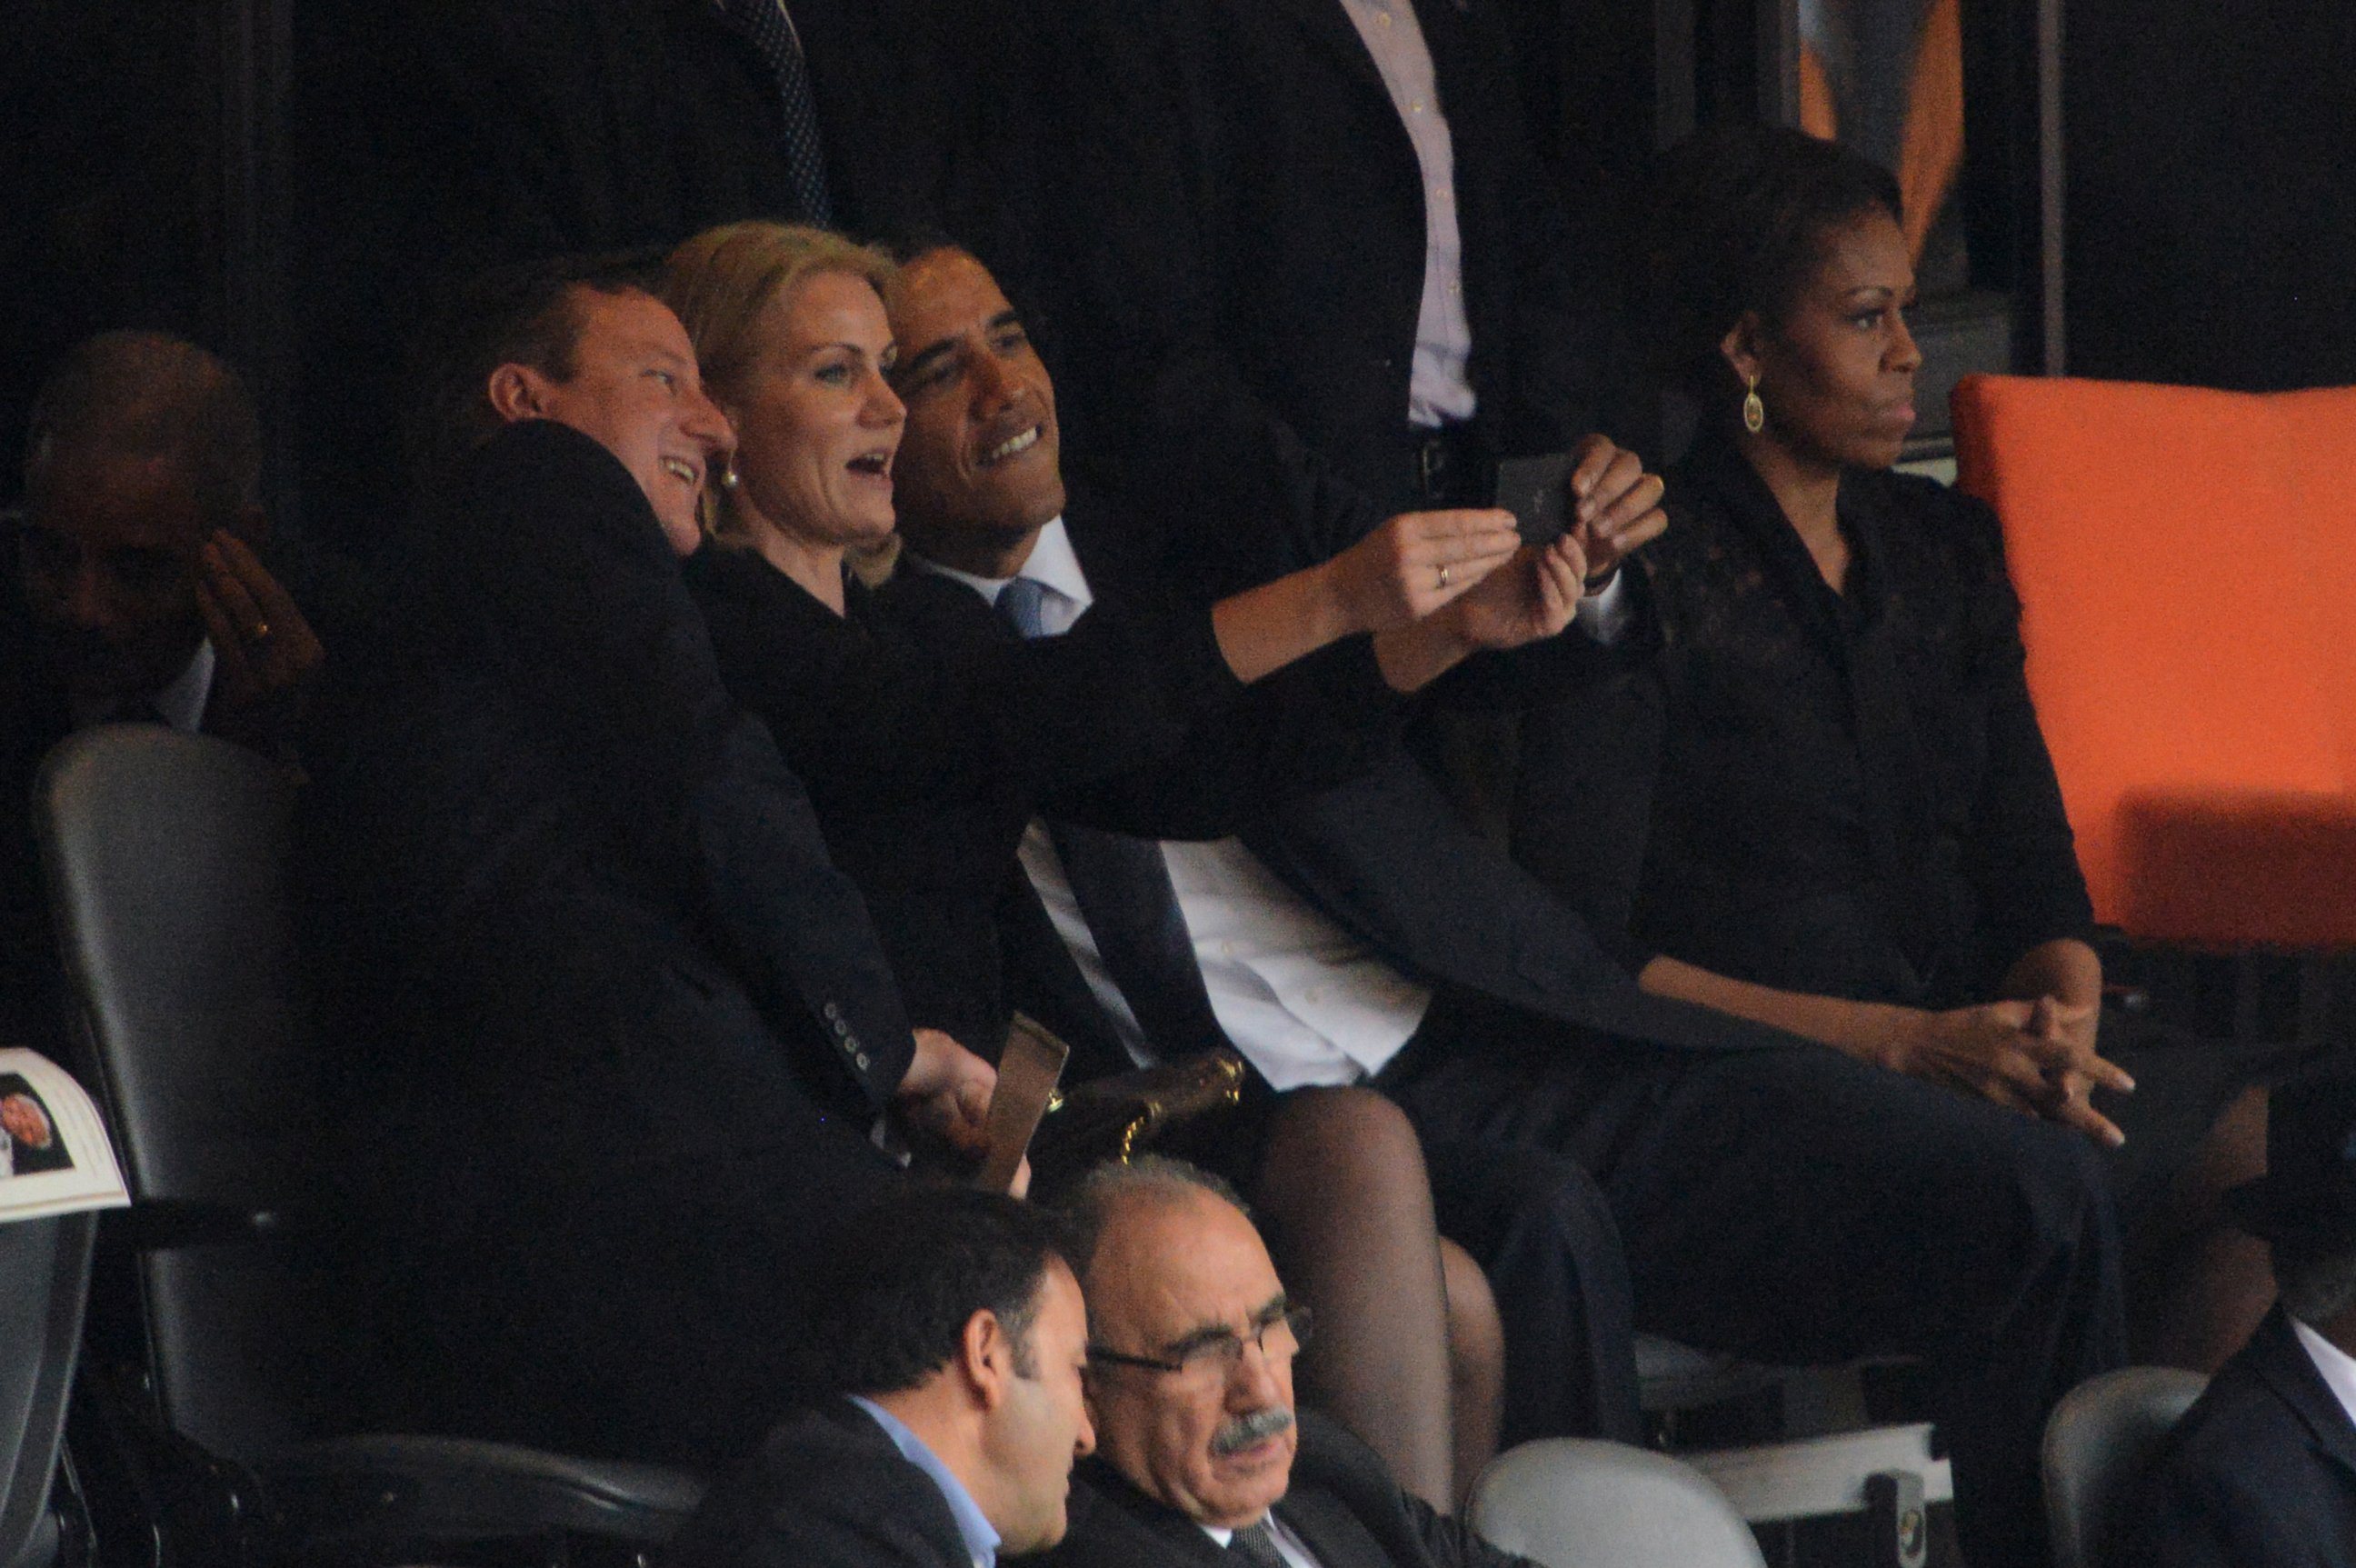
[
  {"x": 163, "y": 1224},
  {"x": 405, "y": 1490}
]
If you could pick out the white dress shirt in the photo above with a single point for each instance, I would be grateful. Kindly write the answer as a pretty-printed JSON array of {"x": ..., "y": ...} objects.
[
  {"x": 1304, "y": 1001},
  {"x": 1437, "y": 393},
  {"x": 179, "y": 702},
  {"x": 1307, "y": 1003},
  {"x": 2338, "y": 1367}
]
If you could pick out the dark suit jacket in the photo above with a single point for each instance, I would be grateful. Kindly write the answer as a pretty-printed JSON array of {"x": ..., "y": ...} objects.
[
  {"x": 1343, "y": 1504},
  {"x": 828, "y": 1489},
  {"x": 1242, "y": 299},
  {"x": 610, "y": 1027},
  {"x": 2261, "y": 1473}
]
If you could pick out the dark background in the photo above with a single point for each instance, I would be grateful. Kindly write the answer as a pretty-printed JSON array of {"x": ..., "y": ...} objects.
[{"x": 158, "y": 158}]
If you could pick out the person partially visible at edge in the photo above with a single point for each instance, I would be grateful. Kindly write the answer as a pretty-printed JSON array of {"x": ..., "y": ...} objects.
[
  {"x": 2261, "y": 1473},
  {"x": 134, "y": 594}
]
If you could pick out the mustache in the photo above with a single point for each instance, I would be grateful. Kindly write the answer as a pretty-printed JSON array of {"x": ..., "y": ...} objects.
[{"x": 1246, "y": 1431}]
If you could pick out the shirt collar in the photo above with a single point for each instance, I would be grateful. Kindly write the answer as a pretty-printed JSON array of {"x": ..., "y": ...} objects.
[
  {"x": 2338, "y": 1367},
  {"x": 973, "y": 1525},
  {"x": 1053, "y": 563},
  {"x": 180, "y": 701}
]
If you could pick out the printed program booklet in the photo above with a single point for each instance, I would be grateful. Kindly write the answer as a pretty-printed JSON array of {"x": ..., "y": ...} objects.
[{"x": 54, "y": 1154}]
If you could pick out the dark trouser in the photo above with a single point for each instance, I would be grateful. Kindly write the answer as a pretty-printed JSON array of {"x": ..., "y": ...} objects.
[
  {"x": 1540, "y": 1227},
  {"x": 1797, "y": 1206},
  {"x": 594, "y": 1209}
]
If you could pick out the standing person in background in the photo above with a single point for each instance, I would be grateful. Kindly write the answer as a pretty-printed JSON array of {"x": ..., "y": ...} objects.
[{"x": 437, "y": 139}]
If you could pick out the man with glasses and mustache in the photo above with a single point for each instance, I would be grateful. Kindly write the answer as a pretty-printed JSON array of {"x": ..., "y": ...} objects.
[{"x": 1201, "y": 1457}]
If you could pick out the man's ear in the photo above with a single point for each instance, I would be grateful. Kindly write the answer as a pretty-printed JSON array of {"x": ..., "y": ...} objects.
[
  {"x": 986, "y": 1357},
  {"x": 519, "y": 392},
  {"x": 1741, "y": 347}
]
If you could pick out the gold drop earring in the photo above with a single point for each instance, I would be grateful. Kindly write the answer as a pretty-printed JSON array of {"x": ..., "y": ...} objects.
[{"x": 1754, "y": 413}]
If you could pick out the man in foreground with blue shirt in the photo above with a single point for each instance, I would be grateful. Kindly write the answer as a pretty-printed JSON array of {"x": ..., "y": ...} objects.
[{"x": 950, "y": 1328}]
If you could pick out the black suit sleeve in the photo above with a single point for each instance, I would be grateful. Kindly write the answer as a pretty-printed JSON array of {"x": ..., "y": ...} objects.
[
  {"x": 922, "y": 698},
  {"x": 582, "y": 611},
  {"x": 1313, "y": 724},
  {"x": 2217, "y": 1518}
]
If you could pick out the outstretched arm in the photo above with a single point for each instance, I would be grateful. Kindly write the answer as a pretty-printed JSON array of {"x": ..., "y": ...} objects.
[{"x": 1411, "y": 567}]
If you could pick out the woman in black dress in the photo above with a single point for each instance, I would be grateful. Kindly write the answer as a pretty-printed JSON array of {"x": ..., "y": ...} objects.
[
  {"x": 927, "y": 751},
  {"x": 1826, "y": 804}
]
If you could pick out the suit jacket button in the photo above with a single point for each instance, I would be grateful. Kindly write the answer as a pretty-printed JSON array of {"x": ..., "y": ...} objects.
[
  {"x": 832, "y": 1013},
  {"x": 862, "y": 1060}
]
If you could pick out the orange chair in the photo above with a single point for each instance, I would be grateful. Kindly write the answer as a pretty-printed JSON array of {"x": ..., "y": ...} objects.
[{"x": 2186, "y": 561}]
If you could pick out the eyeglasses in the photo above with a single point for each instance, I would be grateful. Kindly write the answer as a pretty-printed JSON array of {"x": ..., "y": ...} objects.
[{"x": 1213, "y": 1354}]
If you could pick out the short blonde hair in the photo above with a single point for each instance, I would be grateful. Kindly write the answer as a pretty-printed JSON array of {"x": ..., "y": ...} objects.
[{"x": 719, "y": 283}]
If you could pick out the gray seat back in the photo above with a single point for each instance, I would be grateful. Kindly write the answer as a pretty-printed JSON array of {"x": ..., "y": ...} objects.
[
  {"x": 1575, "y": 1502},
  {"x": 2097, "y": 1441},
  {"x": 44, "y": 1278},
  {"x": 165, "y": 856}
]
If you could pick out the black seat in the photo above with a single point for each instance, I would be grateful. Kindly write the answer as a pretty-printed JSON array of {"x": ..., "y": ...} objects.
[
  {"x": 44, "y": 1276},
  {"x": 165, "y": 856}
]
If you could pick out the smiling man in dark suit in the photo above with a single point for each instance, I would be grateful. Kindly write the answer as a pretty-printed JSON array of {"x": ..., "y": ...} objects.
[
  {"x": 1202, "y": 1457},
  {"x": 2261, "y": 1473},
  {"x": 1776, "y": 1199},
  {"x": 627, "y": 1029}
]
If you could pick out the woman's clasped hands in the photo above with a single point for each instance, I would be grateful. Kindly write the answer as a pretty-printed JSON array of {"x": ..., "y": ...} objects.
[{"x": 2035, "y": 1056}]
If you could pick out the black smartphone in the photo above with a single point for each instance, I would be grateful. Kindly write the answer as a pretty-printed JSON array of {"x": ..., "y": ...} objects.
[{"x": 1537, "y": 490}]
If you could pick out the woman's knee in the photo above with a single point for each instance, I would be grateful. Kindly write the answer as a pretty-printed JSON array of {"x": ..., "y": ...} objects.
[
  {"x": 1321, "y": 1142},
  {"x": 1476, "y": 1332}
]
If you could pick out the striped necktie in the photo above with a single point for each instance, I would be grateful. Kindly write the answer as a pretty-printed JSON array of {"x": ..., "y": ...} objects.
[
  {"x": 1256, "y": 1544},
  {"x": 1122, "y": 886}
]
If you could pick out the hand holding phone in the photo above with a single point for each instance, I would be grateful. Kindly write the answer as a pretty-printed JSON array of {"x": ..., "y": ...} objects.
[{"x": 1537, "y": 490}]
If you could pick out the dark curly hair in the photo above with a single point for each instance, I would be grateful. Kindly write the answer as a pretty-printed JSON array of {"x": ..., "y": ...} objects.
[{"x": 888, "y": 1302}]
